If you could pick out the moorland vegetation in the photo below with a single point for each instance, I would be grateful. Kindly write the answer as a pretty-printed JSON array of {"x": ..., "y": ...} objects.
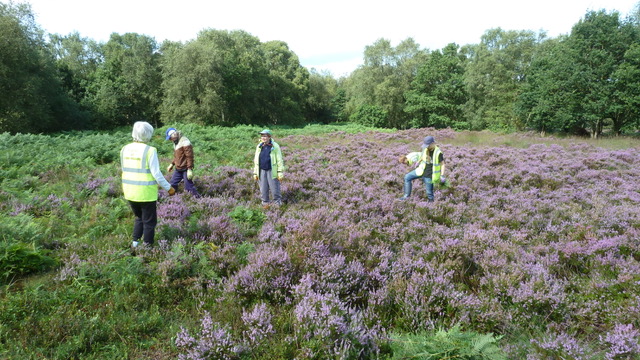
[{"x": 532, "y": 250}]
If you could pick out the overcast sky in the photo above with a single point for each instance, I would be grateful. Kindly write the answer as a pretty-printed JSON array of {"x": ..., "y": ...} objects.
[{"x": 327, "y": 35}]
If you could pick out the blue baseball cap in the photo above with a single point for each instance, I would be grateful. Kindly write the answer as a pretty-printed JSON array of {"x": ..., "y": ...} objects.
[{"x": 169, "y": 132}]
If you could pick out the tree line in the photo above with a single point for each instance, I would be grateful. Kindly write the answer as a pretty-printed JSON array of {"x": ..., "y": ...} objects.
[{"x": 585, "y": 82}]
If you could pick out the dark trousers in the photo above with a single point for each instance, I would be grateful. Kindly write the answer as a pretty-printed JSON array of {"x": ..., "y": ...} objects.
[
  {"x": 178, "y": 175},
  {"x": 145, "y": 222}
]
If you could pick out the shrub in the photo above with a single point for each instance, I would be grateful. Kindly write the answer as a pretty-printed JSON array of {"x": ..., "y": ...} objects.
[
  {"x": 251, "y": 220},
  {"x": 21, "y": 259},
  {"x": 212, "y": 342},
  {"x": 370, "y": 115},
  {"x": 446, "y": 344}
]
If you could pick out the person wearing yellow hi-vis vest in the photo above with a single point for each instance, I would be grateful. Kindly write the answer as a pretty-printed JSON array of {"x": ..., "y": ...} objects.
[
  {"x": 430, "y": 168},
  {"x": 141, "y": 177}
]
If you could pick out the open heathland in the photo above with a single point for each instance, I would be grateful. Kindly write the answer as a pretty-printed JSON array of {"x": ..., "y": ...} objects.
[{"x": 531, "y": 251}]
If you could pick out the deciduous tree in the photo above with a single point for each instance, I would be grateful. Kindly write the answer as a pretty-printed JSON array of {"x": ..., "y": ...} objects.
[
  {"x": 127, "y": 86},
  {"x": 494, "y": 75},
  {"x": 31, "y": 96},
  {"x": 438, "y": 93},
  {"x": 384, "y": 78}
]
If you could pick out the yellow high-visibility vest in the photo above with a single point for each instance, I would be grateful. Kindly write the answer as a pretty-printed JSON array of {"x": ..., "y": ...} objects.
[
  {"x": 435, "y": 160},
  {"x": 435, "y": 175},
  {"x": 138, "y": 184},
  {"x": 413, "y": 157}
]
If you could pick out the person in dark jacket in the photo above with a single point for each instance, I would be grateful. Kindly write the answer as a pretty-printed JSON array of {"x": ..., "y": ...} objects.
[
  {"x": 268, "y": 168},
  {"x": 182, "y": 161}
]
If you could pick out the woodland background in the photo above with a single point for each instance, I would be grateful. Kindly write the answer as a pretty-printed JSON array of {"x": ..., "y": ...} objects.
[{"x": 583, "y": 83}]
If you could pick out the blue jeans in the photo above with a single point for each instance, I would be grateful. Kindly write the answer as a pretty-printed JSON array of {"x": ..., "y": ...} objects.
[
  {"x": 428, "y": 185},
  {"x": 178, "y": 176}
]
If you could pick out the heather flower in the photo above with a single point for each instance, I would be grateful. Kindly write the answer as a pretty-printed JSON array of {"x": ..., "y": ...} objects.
[
  {"x": 268, "y": 275},
  {"x": 109, "y": 186},
  {"x": 70, "y": 269},
  {"x": 348, "y": 280},
  {"x": 269, "y": 233},
  {"x": 562, "y": 346},
  {"x": 539, "y": 291},
  {"x": 622, "y": 342},
  {"x": 21, "y": 208},
  {"x": 173, "y": 213},
  {"x": 92, "y": 185},
  {"x": 258, "y": 324},
  {"x": 429, "y": 296},
  {"x": 330, "y": 326},
  {"x": 218, "y": 229},
  {"x": 524, "y": 237},
  {"x": 213, "y": 342}
]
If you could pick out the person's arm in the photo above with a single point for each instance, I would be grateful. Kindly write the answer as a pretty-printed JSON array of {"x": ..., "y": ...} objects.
[
  {"x": 256, "y": 163},
  {"x": 154, "y": 166},
  {"x": 188, "y": 154},
  {"x": 280, "y": 165}
]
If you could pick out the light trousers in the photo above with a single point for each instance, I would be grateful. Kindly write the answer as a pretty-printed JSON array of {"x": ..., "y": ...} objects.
[{"x": 269, "y": 185}]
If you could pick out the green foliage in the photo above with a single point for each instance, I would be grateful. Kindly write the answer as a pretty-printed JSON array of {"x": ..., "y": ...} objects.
[
  {"x": 186, "y": 261},
  {"x": 437, "y": 93},
  {"x": 243, "y": 250},
  {"x": 580, "y": 83},
  {"x": 231, "y": 78},
  {"x": 583, "y": 83},
  {"x": 325, "y": 102},
  {"x": 77, "y": 60},
  {"x": 446, "y": 344},
  {"x": 250, "y": 219},
  {"x": 494, "y": 75},
  {"x": 127, "y": 86},
  {"x": 382, "y": 82},
  {"x": 370, "y": 115},
  {"x": 20, "y": 228},
  {"x": 31, "y": 95},
  {"x": 19, "y": 259},
  {"x": 116, "y": 309}
]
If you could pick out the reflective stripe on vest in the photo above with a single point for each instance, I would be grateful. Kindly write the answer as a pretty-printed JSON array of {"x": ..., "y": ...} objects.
[
  {"x": 435, "y": 175},
  {"x": 423, "y": 162},
  {"x": 435, "y": 160},
  {"x": 413, "y": 157},
  {"x": 138, "y": 184}
]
